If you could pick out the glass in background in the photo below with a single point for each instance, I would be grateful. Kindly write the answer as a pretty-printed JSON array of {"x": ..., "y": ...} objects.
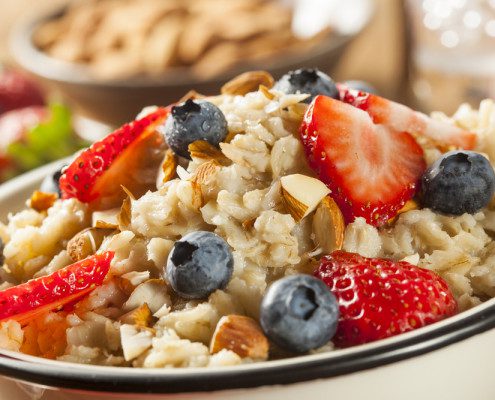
[{"x": 452, "y": 52}]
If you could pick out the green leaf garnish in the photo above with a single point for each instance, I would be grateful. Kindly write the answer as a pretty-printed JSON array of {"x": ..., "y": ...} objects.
[{"x": 48, "y": 141}]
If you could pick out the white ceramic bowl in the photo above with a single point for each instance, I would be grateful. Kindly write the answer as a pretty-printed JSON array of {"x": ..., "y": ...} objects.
[{"x": 448, "y": 360}]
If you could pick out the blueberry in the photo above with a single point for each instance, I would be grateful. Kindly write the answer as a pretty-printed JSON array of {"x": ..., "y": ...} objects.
[
  {"x": 194, "y": 120},
  {"x": 361, "y": 86},
  {"x": 299, "y": 313},
  {"x": 51, "y": 182},
  {"x": 311, "y": 81},
  {"x": 458, "y": 182},
  {"x": 199, "y": 263}
]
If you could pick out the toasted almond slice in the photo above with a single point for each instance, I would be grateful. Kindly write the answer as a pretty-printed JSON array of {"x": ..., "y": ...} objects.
[
  {"x": 152, "y": 292},
  {"x": 248, "y": 82},
  {"x": 266, "y": 92},
  {"x": 86, "y": 243},
  {"x": 410, "y": 205},
  {"x": 197, "y": 198},
  {"x": 167, "y": 169},
  {"x": 135, "y": 278},
  {"x": 203, "y": 150},
  {"x": 134, "y": 341},
  {"x": 140, "y": 316},
  {"x": 107, "y": 219},
  {"x": 301, "y": 194},
  {"x": 124, "y": 217},
  {"x": 242, "y": 335},
  {"x": 328, "y": 226},
  {"x": 205, "y": 172},
  {"x": 41, "y": 201}
]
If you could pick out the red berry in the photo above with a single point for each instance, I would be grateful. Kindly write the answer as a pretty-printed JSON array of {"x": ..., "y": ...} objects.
[
  {"x": 402, "y": 119},
  {"x": 15, "y": 124},
  {"x": 18, "y": 91},
  {"x": 51, "y": 292},
  {"x": 379, "y": 298},
  {"x": 371, "y": 170},
  {"x": 97, "y": 174}
]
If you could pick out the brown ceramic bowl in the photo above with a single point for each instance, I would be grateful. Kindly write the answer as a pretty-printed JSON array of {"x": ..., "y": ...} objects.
[{"x": 115, "y": 102}]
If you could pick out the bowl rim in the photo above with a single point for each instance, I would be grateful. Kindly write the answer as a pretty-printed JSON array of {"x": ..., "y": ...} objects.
[
  {"x": 37, "y": 62},
  {"x": 90, "y": 378}
]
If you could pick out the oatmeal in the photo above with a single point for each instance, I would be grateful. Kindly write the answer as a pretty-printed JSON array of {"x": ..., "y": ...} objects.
[{"x": 258, "y": 226}]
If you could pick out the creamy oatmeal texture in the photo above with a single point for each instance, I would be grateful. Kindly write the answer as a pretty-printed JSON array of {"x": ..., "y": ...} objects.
[{"x": 239, "y": 196}]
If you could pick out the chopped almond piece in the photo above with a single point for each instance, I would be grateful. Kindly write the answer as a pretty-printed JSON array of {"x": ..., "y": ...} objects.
[
  {"x": 242, "y": 335},
  {"x": 41, "y": 201}
]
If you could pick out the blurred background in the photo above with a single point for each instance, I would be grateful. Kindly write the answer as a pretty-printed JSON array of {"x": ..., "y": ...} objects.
[{"x": 90, "y": 65}]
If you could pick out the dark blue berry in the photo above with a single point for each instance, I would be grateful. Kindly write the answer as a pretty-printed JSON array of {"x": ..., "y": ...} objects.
[
  {"x": 199, "y": 263},
  {"x": 51, "y": 182},
  {"x": 194, "y": 120},
  {"x": 458, "y": 182},
  {"x": 311, "y": 81},
  {"x": 299, "y": 313},
  {"x": 361, "y": 86}
]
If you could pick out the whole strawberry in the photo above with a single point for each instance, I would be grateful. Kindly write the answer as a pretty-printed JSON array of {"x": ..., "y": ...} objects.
[
  {"x": 18, "y": 91},
  {"x": 379, "y": 298}
]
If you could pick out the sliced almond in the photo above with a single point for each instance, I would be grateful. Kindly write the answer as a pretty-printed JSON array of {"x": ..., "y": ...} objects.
[
  {"x": 205, "y": 172},
  {"x": 108, "y": 219},
  {"x": 128, "y": 192},
  {"x": 140, "y": 316},
  {"x": 152, "y": 292},
  {"x": 128, "y": 282},
  {"x": 134, "y": 341},
  {"x": 41, "y": 201},
  {"x": 410, "y": 205},
  {"x": 248, "y": 82},
  {"x": 86, "y": 243},
  {"x": 328, "y": 226},
  {"x": 242, "y": 335},
  {"x": 203, "y": 150},
  {"x": 167, "y": 169},
  {"x": 135, "y": 278},
  {"x": 197, "y": 198},
  {"x": 266, "y": 92},
  {"x": 124, "y": 217},
  {"x": 301, "y": 194}
]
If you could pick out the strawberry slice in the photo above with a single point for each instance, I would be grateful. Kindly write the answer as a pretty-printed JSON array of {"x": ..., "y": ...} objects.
[
  {"x": 401, "y": 118},
  {"x": 370, "y": 169},
  {"x": 126, "y": 157},
  {"x": 24, "y": 301}
]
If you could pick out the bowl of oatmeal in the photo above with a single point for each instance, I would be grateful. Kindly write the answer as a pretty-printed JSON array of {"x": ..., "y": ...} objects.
[{"x": 281, "y": 233}]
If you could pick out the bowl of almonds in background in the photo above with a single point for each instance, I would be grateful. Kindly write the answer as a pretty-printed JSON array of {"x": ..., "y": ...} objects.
[{"x": 109, "y": 58}]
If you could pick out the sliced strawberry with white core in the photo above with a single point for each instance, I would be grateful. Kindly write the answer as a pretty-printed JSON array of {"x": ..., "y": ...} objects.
[
  {"x": 127, "y": 157},
  {"x": 51, "y": 292},
  {"x": 401, "y": 118},
  {"x": 370, "y": 169}
]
